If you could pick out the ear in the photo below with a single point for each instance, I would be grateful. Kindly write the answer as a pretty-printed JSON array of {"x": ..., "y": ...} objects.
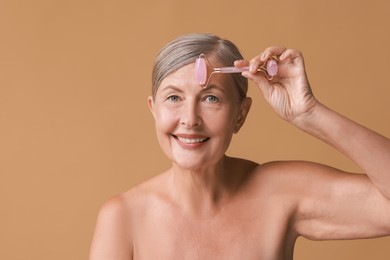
[
  {"x": 244, "y": 110},
  {"x": 151, "y": 105}
]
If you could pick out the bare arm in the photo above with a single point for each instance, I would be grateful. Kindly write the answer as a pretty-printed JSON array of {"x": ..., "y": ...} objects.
[
  {"x": 368, "y": 149},
  {"x": 354, "y": 206},
  {"x": 334, "y": 204},
  {"x": 112, "y": 239}
]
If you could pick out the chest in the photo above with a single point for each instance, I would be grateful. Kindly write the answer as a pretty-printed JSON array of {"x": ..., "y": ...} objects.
[{"x": 234, "y": 233}]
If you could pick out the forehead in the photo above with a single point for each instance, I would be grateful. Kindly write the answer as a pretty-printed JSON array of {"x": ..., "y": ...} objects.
[{"x": 185, "y": 78}]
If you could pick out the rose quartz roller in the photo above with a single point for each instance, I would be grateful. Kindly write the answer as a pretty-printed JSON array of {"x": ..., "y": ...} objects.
[{"x": 270, "y": 70}]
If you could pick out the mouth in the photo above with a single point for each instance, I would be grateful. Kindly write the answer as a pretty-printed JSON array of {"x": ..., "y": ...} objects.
[{"x": 191, "y": 140}]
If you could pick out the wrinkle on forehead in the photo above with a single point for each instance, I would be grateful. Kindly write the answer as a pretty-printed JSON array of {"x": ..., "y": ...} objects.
[{"x": 185, "y": 77}]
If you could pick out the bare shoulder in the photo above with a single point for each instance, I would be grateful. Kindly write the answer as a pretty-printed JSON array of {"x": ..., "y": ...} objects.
[
  {"x": 280, "y": 172},
  {"x": 297, "y": 171},
  {"x": 122, "y": 206},
  {"x": 298, "y": 180},
  {"x": 292, "y": 167},
  {"x": 312, "y": 177},
  {"x": 276, "y": 174},
  {"x": 113, "y": 237}
]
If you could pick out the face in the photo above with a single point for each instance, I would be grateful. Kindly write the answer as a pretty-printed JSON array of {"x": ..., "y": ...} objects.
[{"x": 194, "y": 125}]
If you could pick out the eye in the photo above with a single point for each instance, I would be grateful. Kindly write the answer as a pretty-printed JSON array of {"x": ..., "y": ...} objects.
[
  {"x": 173, "y": 98},
  {"x": 212, "y": 99}
]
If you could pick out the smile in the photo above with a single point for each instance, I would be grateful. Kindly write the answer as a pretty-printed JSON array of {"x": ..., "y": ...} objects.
[{"x": 188, "y": 140}]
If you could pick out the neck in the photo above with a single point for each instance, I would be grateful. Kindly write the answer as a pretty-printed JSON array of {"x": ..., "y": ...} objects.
[{"x": 202, "y": 192}]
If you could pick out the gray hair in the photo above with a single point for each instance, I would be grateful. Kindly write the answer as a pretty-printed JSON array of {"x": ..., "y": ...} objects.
[{"x": 186, "y": 48}]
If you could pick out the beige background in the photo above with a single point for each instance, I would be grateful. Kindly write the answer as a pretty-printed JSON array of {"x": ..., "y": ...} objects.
[{"x": 74, "y": 123}]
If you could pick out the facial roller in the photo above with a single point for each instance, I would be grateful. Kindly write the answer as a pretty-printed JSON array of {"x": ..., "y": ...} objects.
[{"x": 270, "y": 70}]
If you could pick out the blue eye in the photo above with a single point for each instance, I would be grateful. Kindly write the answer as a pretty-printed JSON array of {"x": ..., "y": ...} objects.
[
  {"x": 212, "y": 99},
  {"x": 173, "y": 98}
]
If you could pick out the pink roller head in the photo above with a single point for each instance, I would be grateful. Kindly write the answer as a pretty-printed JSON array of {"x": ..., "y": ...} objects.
[
  {"x": 201, "y": 70},
  {"x": 272, "y": 68}
]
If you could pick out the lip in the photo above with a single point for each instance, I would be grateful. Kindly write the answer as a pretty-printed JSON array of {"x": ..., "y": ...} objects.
[{"x": 190, "y": 140}]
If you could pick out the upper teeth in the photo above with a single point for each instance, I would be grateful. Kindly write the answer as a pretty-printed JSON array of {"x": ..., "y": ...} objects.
[{"x": 191, "y": 140}]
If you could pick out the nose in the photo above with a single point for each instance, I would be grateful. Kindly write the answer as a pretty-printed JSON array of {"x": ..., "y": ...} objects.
[{"x": 190, "y": 116}]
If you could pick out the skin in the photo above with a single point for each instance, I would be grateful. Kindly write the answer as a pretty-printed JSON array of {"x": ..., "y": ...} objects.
[{"x": 210, "y": 206}]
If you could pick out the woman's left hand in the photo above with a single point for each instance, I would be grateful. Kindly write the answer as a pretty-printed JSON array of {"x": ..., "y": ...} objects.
[{"x": 288, "y": 92}]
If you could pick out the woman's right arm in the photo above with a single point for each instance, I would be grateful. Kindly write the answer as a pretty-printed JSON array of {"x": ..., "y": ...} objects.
[{"x": 112, "y": 238}]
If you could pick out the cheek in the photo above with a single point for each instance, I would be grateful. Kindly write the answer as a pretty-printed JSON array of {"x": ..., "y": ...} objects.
[
  {"x": 165, "y": 120},
  {"x": 222, "y": 123}
]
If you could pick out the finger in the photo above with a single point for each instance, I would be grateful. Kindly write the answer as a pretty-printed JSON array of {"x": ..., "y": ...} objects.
[
  {"x": 291, "y": 55},
  {"x": 241, "y": 63},
  {"x": 260, "y": 80},
  {"x": 272, "y": 52},
  {"x": 255, "y": 63},
  {"x": 267, "y": 54}
]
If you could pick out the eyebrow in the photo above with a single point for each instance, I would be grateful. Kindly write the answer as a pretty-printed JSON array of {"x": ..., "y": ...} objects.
[
  {"x": 171, "y": 87},
  {"x": 209, "y": 87}
]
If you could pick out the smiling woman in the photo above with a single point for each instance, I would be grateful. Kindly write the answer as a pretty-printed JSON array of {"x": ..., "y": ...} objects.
[
  {"x": 195, "y": 125},
  {"x": 211, "y": 206}
]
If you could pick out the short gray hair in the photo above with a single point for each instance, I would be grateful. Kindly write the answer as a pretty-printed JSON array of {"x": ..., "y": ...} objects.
[{"x": 186, "y": 48}]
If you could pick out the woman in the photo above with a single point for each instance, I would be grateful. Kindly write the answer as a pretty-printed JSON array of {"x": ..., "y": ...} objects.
[{"x": 211, "y": 206}]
